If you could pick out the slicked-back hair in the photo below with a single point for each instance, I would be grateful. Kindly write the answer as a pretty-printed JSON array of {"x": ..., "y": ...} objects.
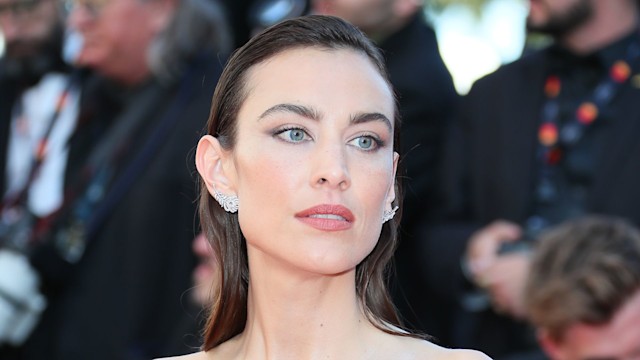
[
  {"x": 229, "y": 310},
  {"x": 583, "y": 272}
]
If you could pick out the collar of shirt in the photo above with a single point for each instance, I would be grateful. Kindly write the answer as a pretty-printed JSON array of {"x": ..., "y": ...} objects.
[{"x": 562, "y": 58}]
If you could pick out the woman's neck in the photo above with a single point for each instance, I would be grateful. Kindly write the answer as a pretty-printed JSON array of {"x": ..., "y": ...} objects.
[{"x": 297, "y": 315}]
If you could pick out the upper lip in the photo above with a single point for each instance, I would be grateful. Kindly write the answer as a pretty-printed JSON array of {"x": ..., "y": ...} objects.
[{"x": 328, "y": 209}]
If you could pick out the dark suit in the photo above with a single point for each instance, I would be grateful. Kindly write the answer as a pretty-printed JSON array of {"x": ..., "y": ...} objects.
[
  {"x": 491, "y": 171},
  {"x": 6, "y": 105},
  {"x": 127, "y": 295},
  {"x": 426, "y": 99}
]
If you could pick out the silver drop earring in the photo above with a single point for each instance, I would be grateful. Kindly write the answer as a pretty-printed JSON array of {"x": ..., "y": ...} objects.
[
  {"x": 229, "y": 203},
  {"x": 389, "y": 214}
]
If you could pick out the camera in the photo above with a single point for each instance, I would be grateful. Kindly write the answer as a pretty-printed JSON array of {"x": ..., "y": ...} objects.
[
  {"x": 476, "y": 300},
  {"x": 21, "y": 302}
]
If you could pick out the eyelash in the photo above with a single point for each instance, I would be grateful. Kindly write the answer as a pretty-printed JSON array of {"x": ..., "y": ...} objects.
[{"x": 377, "y": 142}]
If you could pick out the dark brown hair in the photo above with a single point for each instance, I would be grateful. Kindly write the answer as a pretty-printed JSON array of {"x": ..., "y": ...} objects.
[
  {"x": 229, "y": 311},
  {"x": 583, "y": 272}
]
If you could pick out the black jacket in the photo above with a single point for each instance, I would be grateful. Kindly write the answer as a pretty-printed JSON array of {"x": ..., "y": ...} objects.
[
  {"x": 490, "y": 174},
  {"x": 127, "y": 295}
]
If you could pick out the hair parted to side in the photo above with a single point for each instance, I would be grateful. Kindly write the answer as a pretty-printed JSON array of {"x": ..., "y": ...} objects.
[
  {"x": 583, "y": 272},
  {"x": 229, "y": 311}
]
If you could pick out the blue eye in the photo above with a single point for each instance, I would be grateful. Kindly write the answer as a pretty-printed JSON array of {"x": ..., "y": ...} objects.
[
  {"x": 294, "y": 135},
  {"x": 366, "y": 142}
]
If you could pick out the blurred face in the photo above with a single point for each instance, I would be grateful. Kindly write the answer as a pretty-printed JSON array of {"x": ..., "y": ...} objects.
[
  {"x": 27, "y": 25},
  {"x": 368, "y": 15},
  {"x": 558, "y": 17},
  {"x": 313, "y": 164},
  {"x": 117, "y": 35},
  {"x": 617, "y": 340}
]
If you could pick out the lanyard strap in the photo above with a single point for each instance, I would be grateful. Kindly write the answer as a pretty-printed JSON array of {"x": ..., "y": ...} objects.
[
  {"x": 20, "y": 197},
  {"x": 15, "y": 219},
  {"x": 556, "y": 137},
  {"x": 106, "y": 188}
]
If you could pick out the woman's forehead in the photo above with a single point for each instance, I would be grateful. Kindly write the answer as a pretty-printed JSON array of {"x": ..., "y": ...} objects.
[{"x": 320, "y": 73}]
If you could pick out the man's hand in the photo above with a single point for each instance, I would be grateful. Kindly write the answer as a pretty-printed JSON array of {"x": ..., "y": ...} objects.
[
  {"x": 502, "y": 276},
  {"x": 485, "y": 243},
  {"x": 504, "y": 281}
]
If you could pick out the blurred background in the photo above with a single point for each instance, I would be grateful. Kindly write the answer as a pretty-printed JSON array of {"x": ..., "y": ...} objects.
[{"x": 475, "y": 36}]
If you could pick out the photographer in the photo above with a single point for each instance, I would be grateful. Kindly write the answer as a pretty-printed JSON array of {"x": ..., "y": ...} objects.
[
  {"x": 38, "y": 112},
  {"x": 547, "y": 138}
]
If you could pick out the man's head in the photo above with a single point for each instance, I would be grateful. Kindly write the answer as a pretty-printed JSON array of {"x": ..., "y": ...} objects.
[
  {"x": 27, "y": 26},
  {"x": 117, "y": 35},
  {"x": 561, "y": 18},
  {"x": 558, "y": 17},
  {"x": 32, "y": 32},
  {"x": 583, "y": 292},
  {"x": 376, "y": 18}
]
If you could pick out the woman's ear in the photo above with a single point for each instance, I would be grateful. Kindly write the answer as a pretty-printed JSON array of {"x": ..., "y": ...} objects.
[
  {"x": 211, "y": 159},
  {"x": 391, "y": 194}
]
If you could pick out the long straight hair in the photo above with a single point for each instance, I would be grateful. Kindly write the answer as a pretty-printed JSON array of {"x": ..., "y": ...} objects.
[{"x": 229, "y": 310}]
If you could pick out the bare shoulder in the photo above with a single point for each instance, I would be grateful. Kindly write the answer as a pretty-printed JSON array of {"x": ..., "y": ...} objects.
[
  {"x": 463, "y": 354},
  {"x": 201, "y": 355},
  {"x": 415, "y": 349}
]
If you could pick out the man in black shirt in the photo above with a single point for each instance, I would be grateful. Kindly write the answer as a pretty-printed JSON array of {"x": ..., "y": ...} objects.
[
  {"x": 33, "y": 81},
  {"x": 550, "y": 137}
]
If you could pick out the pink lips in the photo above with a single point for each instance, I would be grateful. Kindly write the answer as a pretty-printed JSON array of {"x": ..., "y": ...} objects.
[{"x": 327, "y": 217}]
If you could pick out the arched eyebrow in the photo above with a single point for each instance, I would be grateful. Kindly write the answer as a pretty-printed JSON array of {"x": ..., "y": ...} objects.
[
  {"x": 368, "y": 117},
  {"x": 313, "y": 114},
  {"x": 301, "y": 110}
]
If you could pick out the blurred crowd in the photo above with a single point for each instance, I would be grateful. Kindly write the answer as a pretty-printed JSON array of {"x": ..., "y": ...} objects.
[{"x": 518, "y": 227}]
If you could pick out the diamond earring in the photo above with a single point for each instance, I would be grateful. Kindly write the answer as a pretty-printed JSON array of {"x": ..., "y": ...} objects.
[
  {"x": 229, "y": 203},
  {"x": 389, "y": 214}
]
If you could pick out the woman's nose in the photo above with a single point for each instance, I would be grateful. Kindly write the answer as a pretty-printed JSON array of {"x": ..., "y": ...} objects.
[{"x": 330, "y": 168}]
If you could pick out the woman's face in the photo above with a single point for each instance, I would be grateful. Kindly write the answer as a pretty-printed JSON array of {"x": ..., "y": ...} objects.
[{"x": 313, "y": 164}]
